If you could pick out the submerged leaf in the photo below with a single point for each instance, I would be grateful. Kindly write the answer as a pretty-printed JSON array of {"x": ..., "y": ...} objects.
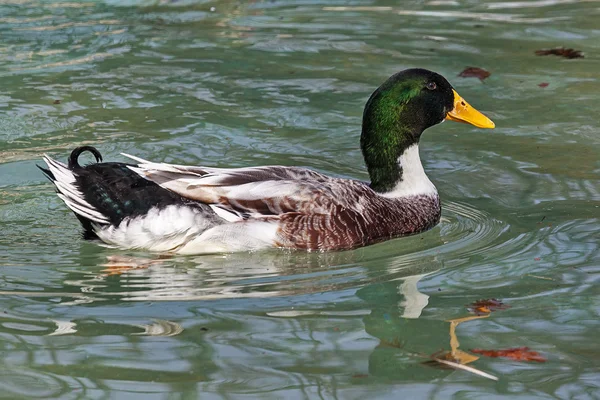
[
  {"x": 456, "y": 360},
  {"x": 474, "y": 72},
  {"x": 517, "y": 354},
  {"x": 456, "y": 356},
  {"x": 442, "y": 355},
  {"x": 561, "y": 52},
  {"x": 466, "y": 368},
  {"x": 486, "y": 306}
]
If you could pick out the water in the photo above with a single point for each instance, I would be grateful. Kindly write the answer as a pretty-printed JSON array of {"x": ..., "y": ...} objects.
[{"x": 279, "y": 82}]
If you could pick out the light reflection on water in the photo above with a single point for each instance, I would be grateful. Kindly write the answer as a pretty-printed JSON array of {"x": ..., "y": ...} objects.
[{"x": 285, "y": 83}]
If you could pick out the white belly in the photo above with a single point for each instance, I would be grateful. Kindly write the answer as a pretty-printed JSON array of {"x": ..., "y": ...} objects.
[{"x": 188, "y": 230}]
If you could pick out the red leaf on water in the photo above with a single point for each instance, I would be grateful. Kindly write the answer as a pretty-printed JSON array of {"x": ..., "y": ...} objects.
[
  {"x": 517, "y": 354},
  {"x": 543, "y": 84},
  {"x": 561, "y": 52},
  {"x": 474, "y": 72},
  {"x": 486, "y": 306}
]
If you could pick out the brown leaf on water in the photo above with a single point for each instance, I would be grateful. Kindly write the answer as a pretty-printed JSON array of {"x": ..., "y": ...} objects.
[
  {"x": 486, "y": 306},
  {"x": 474, "y": 72},
  {"x": 561, "y": 52},
  {"x": 56, "y": 102},
  {"x": 543, "y": 84},
  {"x": 517, "y": 354}
]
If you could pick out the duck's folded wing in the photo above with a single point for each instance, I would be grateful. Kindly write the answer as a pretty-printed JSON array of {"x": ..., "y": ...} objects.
[{"x": 245, "y": 192}]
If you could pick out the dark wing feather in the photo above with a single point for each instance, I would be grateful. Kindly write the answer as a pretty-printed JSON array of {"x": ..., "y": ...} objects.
[{"x": 117, "y": 192}]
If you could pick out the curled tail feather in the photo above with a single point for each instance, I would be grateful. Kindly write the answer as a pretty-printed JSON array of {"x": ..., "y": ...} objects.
[{"x": 73, "y": 158}]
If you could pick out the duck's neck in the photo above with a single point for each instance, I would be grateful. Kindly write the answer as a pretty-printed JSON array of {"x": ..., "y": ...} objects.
[
  {"x": 394, "y": 165},
  {"x": 412, "y": 180}
]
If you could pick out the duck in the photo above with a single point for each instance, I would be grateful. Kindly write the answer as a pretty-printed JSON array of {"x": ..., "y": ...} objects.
[{"x": 169, "y": 208}]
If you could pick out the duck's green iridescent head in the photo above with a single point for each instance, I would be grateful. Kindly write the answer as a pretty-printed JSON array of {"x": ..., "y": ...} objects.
[{"x": 399, "y": 111}]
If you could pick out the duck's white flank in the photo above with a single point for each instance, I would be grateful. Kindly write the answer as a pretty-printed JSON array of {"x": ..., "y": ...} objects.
[
  {"x": 159, "y": 230},
  {"x": 414, "y": 180},
  {"x": 240, "y": 236}
]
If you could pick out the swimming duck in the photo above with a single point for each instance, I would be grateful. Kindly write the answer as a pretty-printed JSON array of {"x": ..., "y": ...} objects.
[{"x": 194, "y": 210}]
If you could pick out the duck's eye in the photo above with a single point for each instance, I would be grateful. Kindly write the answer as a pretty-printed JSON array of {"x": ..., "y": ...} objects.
[{"x": 431, "y": 86}]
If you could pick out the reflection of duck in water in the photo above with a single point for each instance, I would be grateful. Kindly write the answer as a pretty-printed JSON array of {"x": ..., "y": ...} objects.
[
  {"x": 264, "y": 274},
  {"x": 402, "y": 342},
  {"x": 404, "y": 352},
  {"x": 194, "y": 210}
]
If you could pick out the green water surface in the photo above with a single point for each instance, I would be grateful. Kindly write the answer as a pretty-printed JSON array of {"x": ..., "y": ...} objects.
[{"x": 234, "y": 84}]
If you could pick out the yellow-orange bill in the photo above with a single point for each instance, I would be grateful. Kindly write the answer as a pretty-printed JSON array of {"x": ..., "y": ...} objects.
[{"x": 464, "y": 112}]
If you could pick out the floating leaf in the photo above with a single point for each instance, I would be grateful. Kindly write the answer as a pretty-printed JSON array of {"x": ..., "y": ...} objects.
[
  {"x": 543, "y": 85},
  {"x": 517, "y": 354},
  {"x": 486, "y": 306},
  {"x": 474, "y": 72},
  {"x": 56, "y": 102},
  {"x": 561, "y": 52}
]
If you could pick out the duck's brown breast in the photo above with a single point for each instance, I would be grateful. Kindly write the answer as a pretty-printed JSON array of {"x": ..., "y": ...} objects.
[{"x": 369, "y": 220}]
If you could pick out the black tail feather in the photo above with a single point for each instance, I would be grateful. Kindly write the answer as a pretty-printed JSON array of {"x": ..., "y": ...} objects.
[
  {"x": 47, "y": 173},
  {"x": 88, "y": 230}
]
